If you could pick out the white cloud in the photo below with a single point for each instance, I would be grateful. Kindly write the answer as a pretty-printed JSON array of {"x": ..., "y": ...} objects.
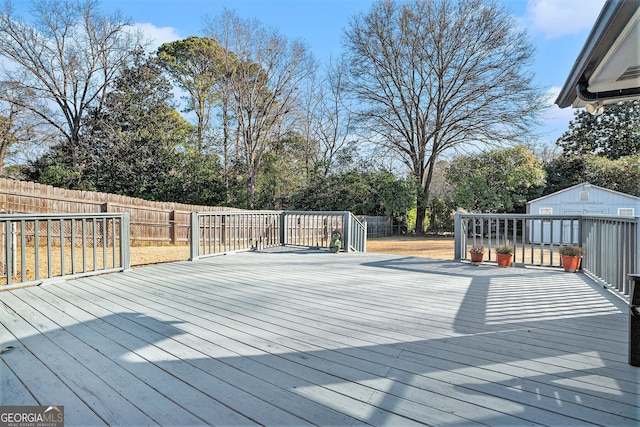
[
  {"x": 556, "y": 18},
  {"x": 158, "y": 35}
]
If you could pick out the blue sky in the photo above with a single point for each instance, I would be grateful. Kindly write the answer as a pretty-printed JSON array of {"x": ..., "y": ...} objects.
[{"x": 558, "y": 29}]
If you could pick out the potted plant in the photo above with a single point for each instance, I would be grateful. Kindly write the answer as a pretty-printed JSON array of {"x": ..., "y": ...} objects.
[
  {"x": 570, "y": 256},
  {"x": 477, "y": 252},
  {"x": 336, "y": 242},
  {"x": 504, "y": 254}
]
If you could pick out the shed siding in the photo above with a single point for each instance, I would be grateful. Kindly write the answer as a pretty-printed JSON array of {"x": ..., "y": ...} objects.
[
  {"x": 572, "y": 201},
  {"x": 599, "y": 202}
]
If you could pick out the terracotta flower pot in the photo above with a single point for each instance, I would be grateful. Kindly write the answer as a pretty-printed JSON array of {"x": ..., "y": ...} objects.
[
  {"x": 476, "y": 257},
  {"x": 504, "y": 260},
  {"x": 570, "y": 263}
]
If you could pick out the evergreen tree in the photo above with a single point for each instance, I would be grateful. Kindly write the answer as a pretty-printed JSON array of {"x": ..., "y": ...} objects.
[
  {"x": 613, "y": 134},
  {"x": 132, "y": 143},
  {"x": 136, "y": 145},
  {"x": 500, "y": 180}
]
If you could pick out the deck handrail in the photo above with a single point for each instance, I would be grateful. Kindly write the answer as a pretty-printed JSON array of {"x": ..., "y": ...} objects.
[
  {"x": 611, "y": 243},
  {"x": 43, "y": 247},
  {"x": 357, "y": 234},
  {"x": 217, "y": 233}
]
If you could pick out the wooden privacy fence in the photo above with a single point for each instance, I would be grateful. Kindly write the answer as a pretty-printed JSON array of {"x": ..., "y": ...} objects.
[
  {"x": 377, "y": 226},
  {"x": 157, "y": 223}
]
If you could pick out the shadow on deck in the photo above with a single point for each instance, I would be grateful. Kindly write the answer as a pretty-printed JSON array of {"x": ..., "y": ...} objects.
[{"x": 277, "y": 338}]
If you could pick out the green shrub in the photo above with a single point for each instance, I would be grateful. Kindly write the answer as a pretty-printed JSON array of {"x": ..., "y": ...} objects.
[
  {"x": 411, "y": 221},
  {"x": 571, "y": 250},
  {"x": 507, "y": 250}
]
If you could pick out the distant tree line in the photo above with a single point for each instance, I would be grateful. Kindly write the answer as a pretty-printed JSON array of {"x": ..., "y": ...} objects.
[{"x": 261, "y": 125}]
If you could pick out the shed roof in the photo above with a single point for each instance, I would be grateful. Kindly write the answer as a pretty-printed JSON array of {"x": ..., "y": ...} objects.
[{"x": 566, "y": 190}]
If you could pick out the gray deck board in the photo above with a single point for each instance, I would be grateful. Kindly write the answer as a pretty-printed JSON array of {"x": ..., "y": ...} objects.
[{"x": 295, "y": 337}]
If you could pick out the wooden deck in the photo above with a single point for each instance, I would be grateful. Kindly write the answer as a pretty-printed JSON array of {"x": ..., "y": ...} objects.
[{"x": 294, "y": 337}]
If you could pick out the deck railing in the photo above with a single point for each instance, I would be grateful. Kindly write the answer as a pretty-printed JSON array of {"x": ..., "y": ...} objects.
[
  {"x": 37, "y": 248},
  {"x": 612, "y": 243},
  {"x": 357, "y": 234},
  {"x": 217, "y": 233}
]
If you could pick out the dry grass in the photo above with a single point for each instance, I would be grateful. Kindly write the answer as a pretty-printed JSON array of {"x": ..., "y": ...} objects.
[
  {"x": 143, "y": 255},
  {"x": 420, "y": 246}
]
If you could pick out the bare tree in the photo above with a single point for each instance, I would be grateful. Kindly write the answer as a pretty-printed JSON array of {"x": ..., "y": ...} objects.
[
  {"x": 265, "y": 76},
  {"x": 433, "y": 75},
  {"x": 21, "y": 131},
  {"x": 333, "y": 124},
  {"x": 67, "y": 58}
]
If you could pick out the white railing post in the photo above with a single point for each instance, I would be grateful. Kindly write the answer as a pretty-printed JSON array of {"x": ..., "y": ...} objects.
[
  {"x": 8, "y": 251},
  {"x": 194, "y": 237},
  {"x": 346, "y": 231},
  {"x": 125, "y": 241},
  {"x": 364, "y": 237},
  {"x": 283, "y": 229},
  {"x": 457, "y": 237}
]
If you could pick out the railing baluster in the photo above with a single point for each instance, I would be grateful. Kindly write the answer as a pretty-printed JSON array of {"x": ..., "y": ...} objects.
[
  {"x": 49, "y": 252},
  {"x": 105, "y": 234},
  {"x": 62, "y": 269},
  {"x": 94, "y": 227},
  {"x": 8, "y": 253},
  {"x": 23, "y": 251},
  {"x": 113, "y": 243},
  {"x": 84, "y": 245},
  {"x": 36, "y": 248},
  {"x": 73, "y": 244}
]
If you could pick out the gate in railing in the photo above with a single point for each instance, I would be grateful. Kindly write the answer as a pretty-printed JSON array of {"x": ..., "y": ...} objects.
[
  {"x": 216, "y": 233},
  {"x": 612, "y": 243},
  {"x": 38, "y": 247}
]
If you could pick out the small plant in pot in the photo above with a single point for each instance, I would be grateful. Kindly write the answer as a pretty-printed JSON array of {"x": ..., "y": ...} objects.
[
  {"x": 571, "y": 256},
  {"x": 504, "y": 254},
  {"x": 477, "y": 252},
  {"x": 336, "y": 242}
]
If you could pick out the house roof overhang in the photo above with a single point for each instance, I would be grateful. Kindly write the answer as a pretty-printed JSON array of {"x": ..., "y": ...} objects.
[{"x": 608, "y": 67}]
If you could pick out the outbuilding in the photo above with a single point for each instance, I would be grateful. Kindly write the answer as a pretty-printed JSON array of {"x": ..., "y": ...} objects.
[
  {"x": 581, "y": 199},
  {"x": 585, "y": 199}
]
